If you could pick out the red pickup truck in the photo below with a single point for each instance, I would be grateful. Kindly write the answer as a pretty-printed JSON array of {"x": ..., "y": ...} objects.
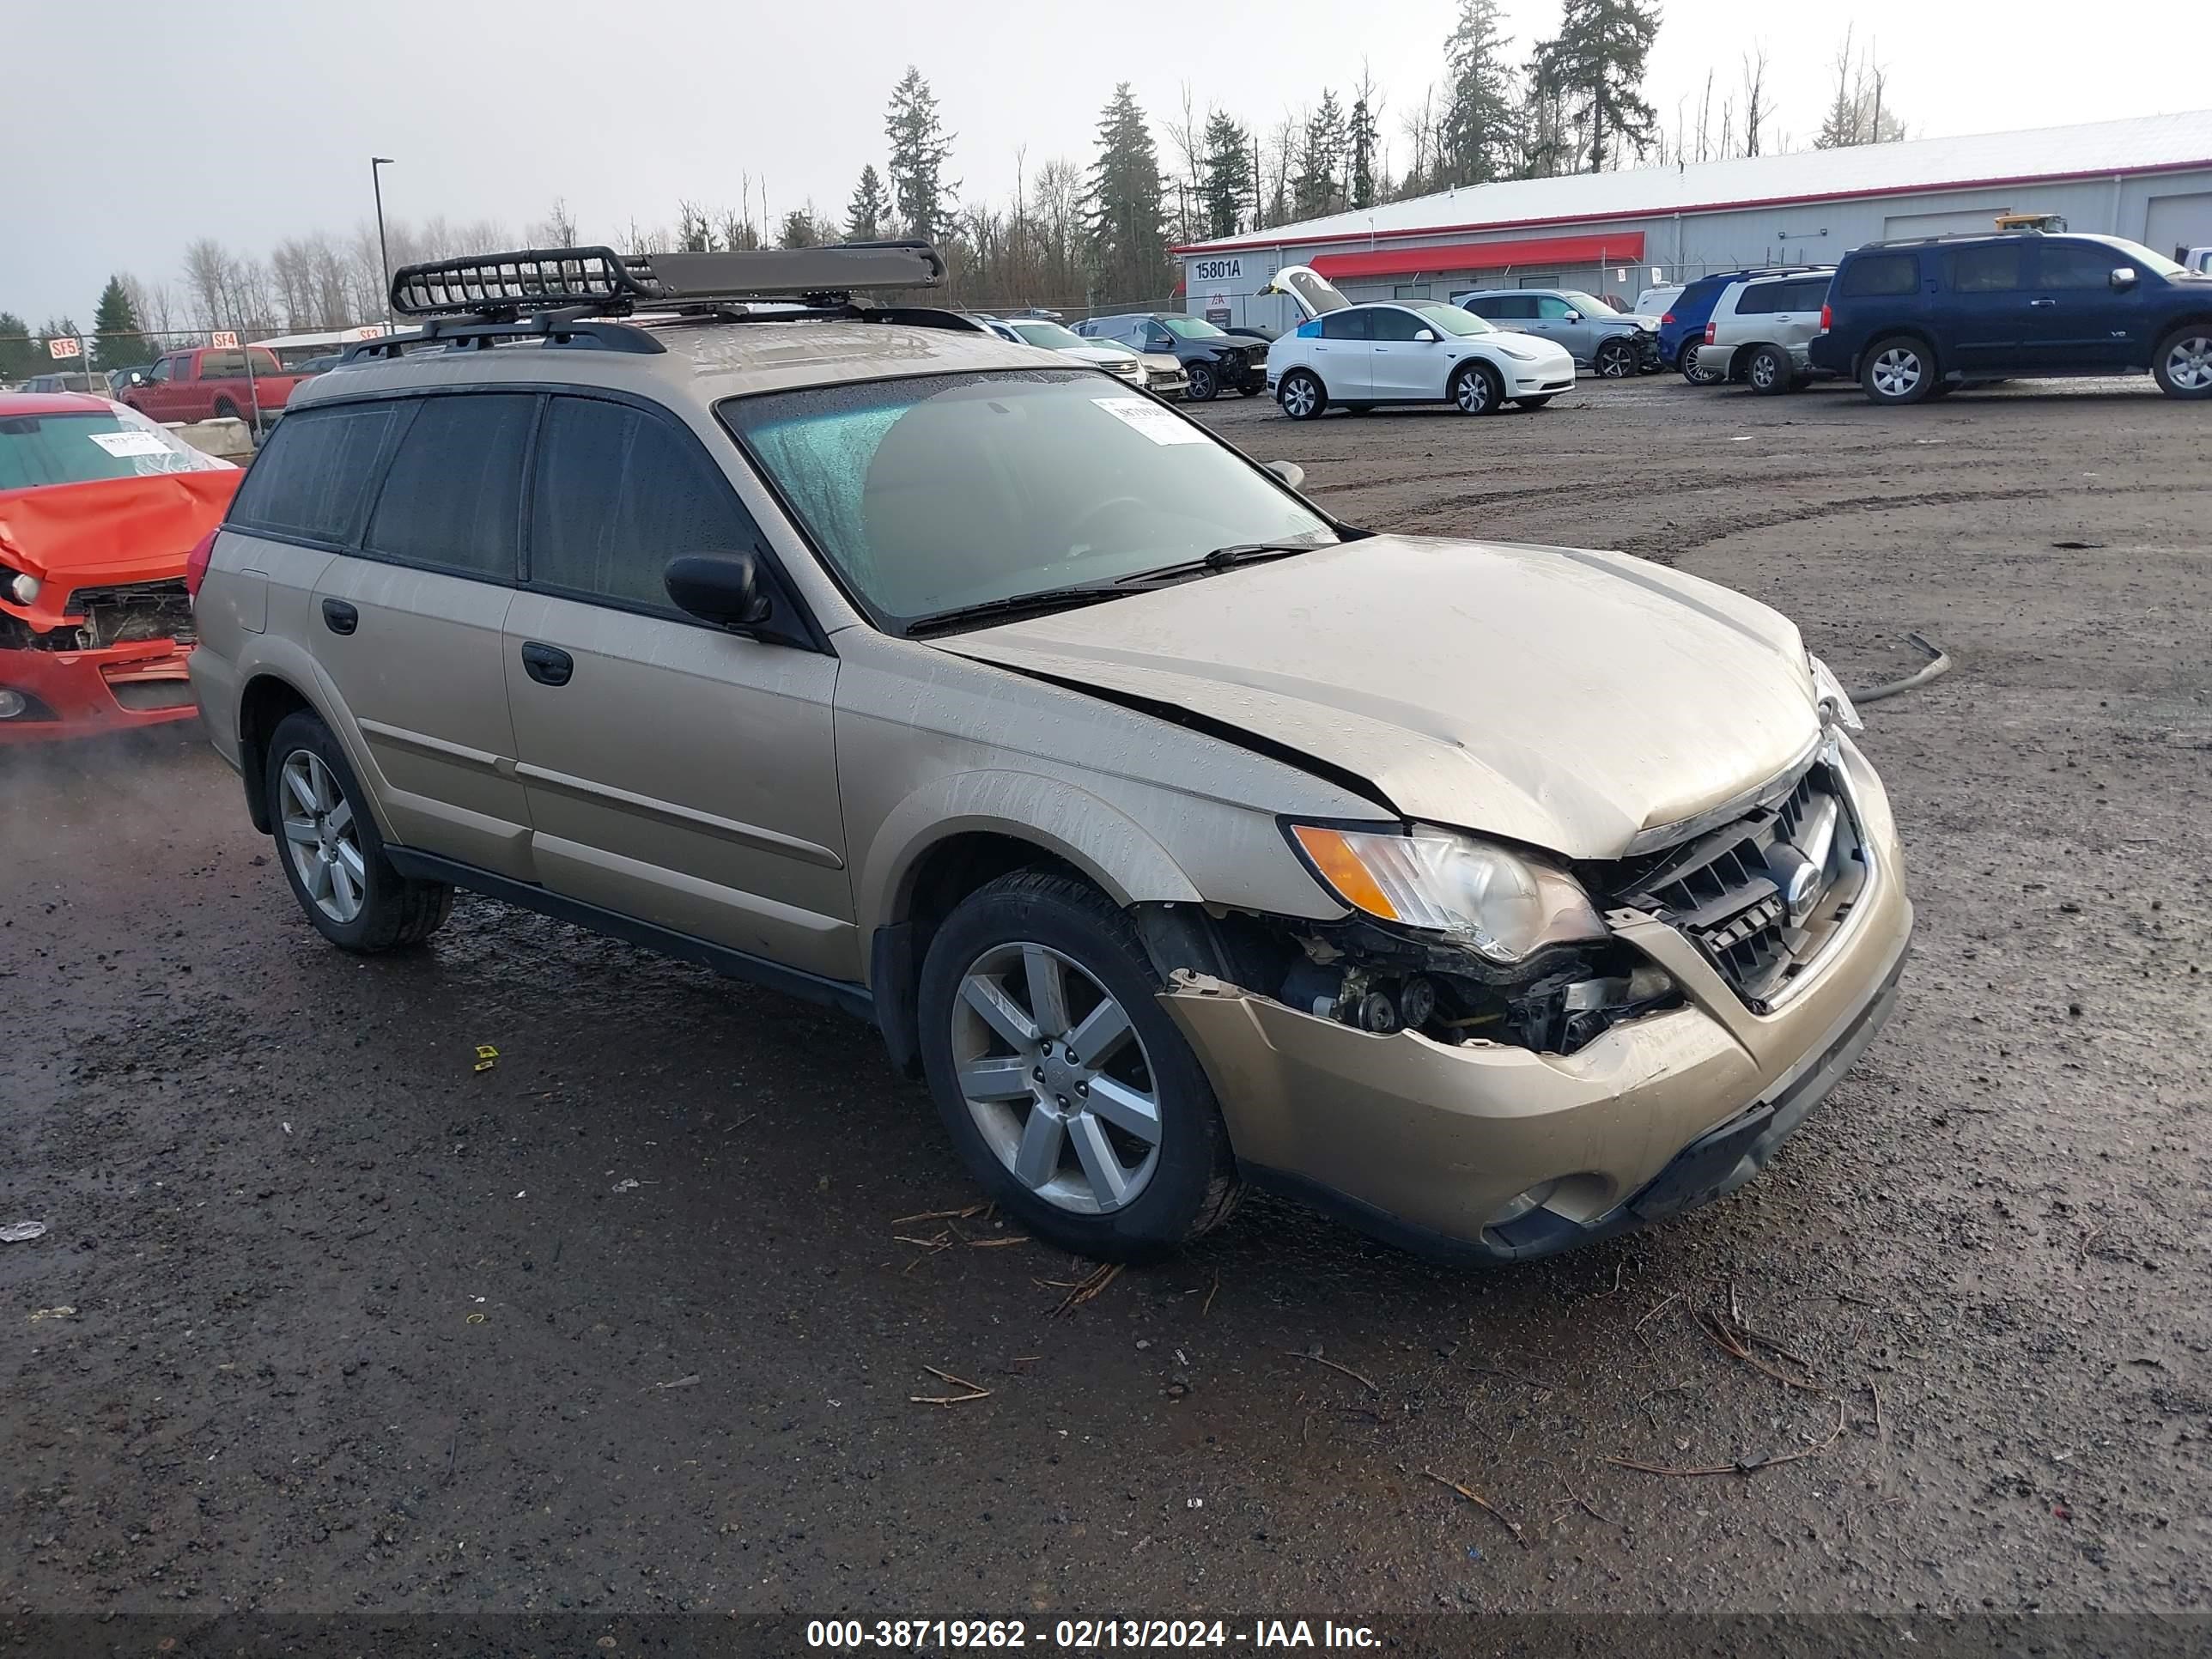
[{"x": 210, "y": 383}]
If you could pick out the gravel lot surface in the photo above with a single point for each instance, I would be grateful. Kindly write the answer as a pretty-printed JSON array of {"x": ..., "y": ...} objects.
[{"x": 326, "y": 1320}]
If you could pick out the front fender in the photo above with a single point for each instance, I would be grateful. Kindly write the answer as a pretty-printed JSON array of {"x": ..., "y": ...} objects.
[{"x": 1089, "y": 833}]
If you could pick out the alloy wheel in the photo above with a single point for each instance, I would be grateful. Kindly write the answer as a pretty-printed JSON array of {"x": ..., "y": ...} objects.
[
  {"x": 322, "y": 838},
  {"x": 1616, "y": 361},
  {"x": 1056, "y": 1077},
  {"x": 1762, "y": 371},
  {"x": 1298, "y": 396},
  {"x": 2189, "y": 364},
  {"x": 1202, "y": 387},
  {"x": 1897, "y": 371},
  {"x": 1472, "y": 393}
]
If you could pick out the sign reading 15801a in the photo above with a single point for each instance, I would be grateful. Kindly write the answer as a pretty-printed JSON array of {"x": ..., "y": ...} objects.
[{"x": 1217, "y": 270}]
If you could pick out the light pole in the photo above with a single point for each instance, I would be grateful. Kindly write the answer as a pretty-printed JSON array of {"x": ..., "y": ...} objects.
[{"x": 383, "y": 248}]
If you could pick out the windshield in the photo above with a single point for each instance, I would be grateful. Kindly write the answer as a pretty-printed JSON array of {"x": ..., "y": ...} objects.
[
  {"x": 1193, "y": 328},
  {"x": 1051, "y": 336},
  {"x": 80, "y": 448},
  {"x": 2157, "y": 263},
  {"x": 1589, "y": 304},
  {"x": 1452, "y": 319},
  {"x": 933, "y": 494}
]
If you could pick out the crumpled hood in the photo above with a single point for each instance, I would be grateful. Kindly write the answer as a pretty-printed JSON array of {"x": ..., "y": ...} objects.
[{"x": 1562, "y": 698}]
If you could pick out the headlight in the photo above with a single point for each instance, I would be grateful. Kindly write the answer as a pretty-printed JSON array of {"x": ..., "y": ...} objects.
[
  {"x": 24, "y": 590},
  {"x": 1503, "y": 905},
  {"x": 1835, "y": 702},
  {"x": 1516, "y": 354}
]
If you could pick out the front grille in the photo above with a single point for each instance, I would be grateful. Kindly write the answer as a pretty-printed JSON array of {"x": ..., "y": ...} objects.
[
  {"x": 132, "y": 613},
  {"x": 1725, "y": 890}
]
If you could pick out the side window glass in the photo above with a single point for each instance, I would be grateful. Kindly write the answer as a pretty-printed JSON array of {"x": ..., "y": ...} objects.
[
  {"x": 1882, "y": 273},
  {"x": 617, "y": 493},
  {"x": 312, "y": 479},
  {"x": 1753, "y": 299},
  {"x": 1992, "y": 270},
  {"x": 2080, "y": 264},
  {"x": 1552, "y": 308},
  {"x": 1487, "y": 308},
  {"x": 1158, "y": 339},
  {"x": 1347, "y": 325},
  {"x": 161, "y": 370},
  {"x": 452, "y": 496},
  {"x": 1391, "y": 324}
]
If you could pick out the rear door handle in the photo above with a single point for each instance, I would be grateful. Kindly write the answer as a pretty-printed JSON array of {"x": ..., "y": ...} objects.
[
  {"x": 339, "y": 616},
  {"x": 547, "y": 663},
  {"x": 2041, "y": 304}
]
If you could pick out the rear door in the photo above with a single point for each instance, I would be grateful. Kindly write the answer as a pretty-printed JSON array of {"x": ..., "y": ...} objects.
[
  {"x": 1404, "y": 365},
  {"x": 2076, "y": 320},
  {"x": 408, "y": 624},
  {"x": 1339, "y": 347},
  {"x": 677, "y": 773},
  {"x": 1983, "y": 312},
  {"x": 1797, "y": 304}
]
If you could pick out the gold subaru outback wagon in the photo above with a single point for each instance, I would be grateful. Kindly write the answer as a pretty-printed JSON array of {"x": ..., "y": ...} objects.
[{"x": 1495, "y": 898}]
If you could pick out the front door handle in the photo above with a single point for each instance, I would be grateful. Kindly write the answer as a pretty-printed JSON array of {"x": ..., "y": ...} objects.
[
  {"x": 547, "y": 663},
  {"x": 2040, "y": 305},
  {"x": 339, "y": 616}
]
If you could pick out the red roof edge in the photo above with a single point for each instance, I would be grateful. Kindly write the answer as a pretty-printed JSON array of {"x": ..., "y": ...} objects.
[{"x": 1626, "y": 246}]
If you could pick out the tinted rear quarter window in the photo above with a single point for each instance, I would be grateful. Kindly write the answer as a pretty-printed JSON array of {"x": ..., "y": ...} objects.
[
  {"x": 452, "y": 496},
  {"x": 619, "y": 493},
  {"x": 313, "y": 478},
  {"x": 1879, "y": 274},
  {"x": 1756, "y": 299}
]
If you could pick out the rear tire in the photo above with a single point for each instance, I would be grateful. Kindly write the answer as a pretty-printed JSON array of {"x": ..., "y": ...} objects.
[
  {"x": 332, "y": 851},
  {"x": 1360, "y": 409},
  {"x": 1477, "y": 390},
  {"x": 1771, "y": 372},
  {"x": 2182, "y": 364},
  {"x": 1015, "y": 1103},
  {"x": 1897, "y": 369},
  {"x": 1301, "y": 396},
  {"x": 1536, "y": 403}
]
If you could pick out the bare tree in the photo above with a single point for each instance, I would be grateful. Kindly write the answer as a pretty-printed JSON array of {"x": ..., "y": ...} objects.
[
  {"x": 1756, "y": 110},
  {"x": 1705, "y": 120},
  {"x": 556, "y": 229}
]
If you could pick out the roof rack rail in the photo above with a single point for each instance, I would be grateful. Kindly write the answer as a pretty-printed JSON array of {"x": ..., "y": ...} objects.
[{"x": 598, "y": 281}]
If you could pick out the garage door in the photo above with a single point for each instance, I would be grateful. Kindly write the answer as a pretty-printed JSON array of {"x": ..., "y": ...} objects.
[
  {"x": 2180, "y": 221},
  {"x": 1948, "y": 222}
]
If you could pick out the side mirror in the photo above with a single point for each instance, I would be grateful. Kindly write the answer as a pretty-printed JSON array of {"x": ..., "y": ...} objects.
[
  {"x": 1574, "y": 317},
  {"x": 722, "y": 588},
  {"x": 2123, "y": 276},
  {"x": 137, "y": 378},
  {"x": 1290, "y": 472},
  {"x": 1425, "y": 337}
]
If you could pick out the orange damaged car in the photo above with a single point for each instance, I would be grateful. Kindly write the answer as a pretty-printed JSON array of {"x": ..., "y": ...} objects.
[{"x": 100, "y": 510}]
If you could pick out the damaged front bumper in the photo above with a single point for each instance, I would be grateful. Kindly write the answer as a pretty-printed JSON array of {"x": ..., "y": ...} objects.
[
  {"x": 75, "y": 694},
  {"x": 1494, "y": 1152}
]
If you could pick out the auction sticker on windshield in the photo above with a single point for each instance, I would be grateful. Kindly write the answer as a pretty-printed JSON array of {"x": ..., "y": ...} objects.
[
  {"x": 1160, "y": 425},
  {"x": 122, "y": 444}
]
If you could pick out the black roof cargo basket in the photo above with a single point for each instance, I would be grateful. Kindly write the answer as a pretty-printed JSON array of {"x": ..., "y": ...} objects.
[{"x": 598, "y": 281}]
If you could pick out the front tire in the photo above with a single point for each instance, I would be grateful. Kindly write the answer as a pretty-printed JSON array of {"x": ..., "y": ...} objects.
[
  {"x": 1205, "y": 386},
  {"x": 332, "y": 851},
  {"x": 1302, "y": 396},
  {"x": 1771, "y": 372},
  {"x": 1068, "y": 1091},
  {"x": 1898, "y": 370},
  {"x": 1476, "y": 390},
  {"x": 2182, "y": 364},
  {"x": 1615, "y": 359}
]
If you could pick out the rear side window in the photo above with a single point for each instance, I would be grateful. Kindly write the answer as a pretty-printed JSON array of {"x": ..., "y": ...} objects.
[
  {"x": 1880, "y": 273},
  {"x": 312, "y": 479},
  {"x": 619, "y": 493},
  {"x": 1347, "y": 325},
  {"x": 1992, "y": 270},
  {"x": 452, "y": 496},
  {"x": 1757, "y": 298},
  {"x": 2079, "y": 264}
]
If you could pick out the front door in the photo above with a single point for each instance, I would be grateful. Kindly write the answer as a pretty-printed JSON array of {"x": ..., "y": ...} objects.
[
  {"x": 677, "y": 773},
  {"x": 1404, "y": 365},
  {"x": 1985, "y": 310},
  {"x": 1557, "y": 320},
  {"x": 409, "y": 630},
  {"x": 159, "y": 398},
  {"x": 2077, "y": 319}
]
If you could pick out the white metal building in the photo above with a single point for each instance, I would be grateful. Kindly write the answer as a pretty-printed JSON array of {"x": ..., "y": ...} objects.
[{"x": 2148, "y": 178}]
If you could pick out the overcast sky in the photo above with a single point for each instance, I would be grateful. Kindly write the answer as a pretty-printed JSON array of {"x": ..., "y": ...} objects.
[{"x": 249, "y": 120}]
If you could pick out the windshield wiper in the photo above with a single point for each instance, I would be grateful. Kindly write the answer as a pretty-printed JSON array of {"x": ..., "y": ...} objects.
[
  {"x": 1224, "y": 558},
  {"x": 1015, "y": 604}
]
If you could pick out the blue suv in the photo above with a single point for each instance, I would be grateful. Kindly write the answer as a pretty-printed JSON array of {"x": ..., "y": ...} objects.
[
  {"x": 1916, "y": 319},
  {"x": 1684, "y": 325}
]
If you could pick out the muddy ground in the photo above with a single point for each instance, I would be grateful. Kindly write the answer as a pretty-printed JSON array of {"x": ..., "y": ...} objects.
[{"x": 627, "y": 1323}]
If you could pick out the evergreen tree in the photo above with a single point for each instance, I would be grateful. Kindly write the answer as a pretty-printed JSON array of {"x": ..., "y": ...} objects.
[
  {"x": 800, "y": 230},
  {"x": 1315, "y": 191},
  {"x": 869, "y": 208},
  {"x": 1363, "y": 143},
  {"x": 1599, "y": 60},
  {"x": 120, "y": 343},
  {"x": 1477, "y": 142},
  {"x": 20, "y": 356},
  {"x": 920, "y": 145},
  {"x": 1228, "y": 183},
  {"x": 1544, "y": 147},
  {"x": 1123, "y": 212}
]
